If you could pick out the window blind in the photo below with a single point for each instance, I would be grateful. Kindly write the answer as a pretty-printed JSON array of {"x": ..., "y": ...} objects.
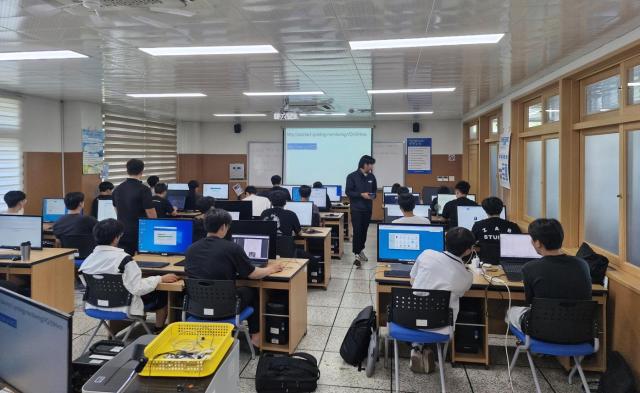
[
  {"x": 152, "y": 141},
  {"x": 10, "y": 147}
]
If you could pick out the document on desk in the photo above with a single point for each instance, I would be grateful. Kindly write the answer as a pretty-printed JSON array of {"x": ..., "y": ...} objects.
[{"x": 404, "y": 241}]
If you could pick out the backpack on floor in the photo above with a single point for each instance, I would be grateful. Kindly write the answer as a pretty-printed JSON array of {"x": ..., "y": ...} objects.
[
  {"x": 618, "y": 378},
  {"x": 355, "y": 346},
  {"x": 295, "y": 373}
]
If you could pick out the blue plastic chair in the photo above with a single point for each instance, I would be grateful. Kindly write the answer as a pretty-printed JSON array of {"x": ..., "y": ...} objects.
[
  {"x": 558, "y": 327},
  {"x": 412, "y": 314}
]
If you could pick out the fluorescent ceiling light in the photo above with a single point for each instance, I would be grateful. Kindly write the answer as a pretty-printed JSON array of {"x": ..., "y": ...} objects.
[
  {"x": 429, "y": 90},
  {"x": 165, "y": 95},
  {"x": 404, "y": 113},
  {"x": 239, "y": 114},
  {"x": 42, "y": 55},
  {"x": 552, "y": 110},
  {"x": 633, "y": 84},
  {"x": 426, "y": 41},
  {"x": 209, "y": 50},
  {"x": 322, "y": 114},
  {"x": 282, "y": 93}
]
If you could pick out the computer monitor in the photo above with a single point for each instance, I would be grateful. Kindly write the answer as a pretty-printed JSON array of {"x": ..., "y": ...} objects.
[
  {"x": 295, "y": 193},
  {"x": 429, "y": 193},
  {"x": 304, "y": 211},
  {"x": 334, "y": 192},
  {"x": 164, "y": 236},
  {"x": 178, "y": 187},
  {"x": 15, "y": 230},
  {"x": 405, "y": 242},
  {"x": 218, "y": 191},
  {"x": 52, "y": 209},
  {"x": 36, "y": 345},
  {"x": 517, "y": 246},
  {"x": 388, "y": 189},
  {"x": 469, "y": 215},
  {"x": 443, "y": 199},
  {"x": 255, "y": 246},
  {"x": 392, "y": 198},
  {"x": 106, "y": 209},
  {"x": 393, "y": 211},
  {"x": 267, "y": 228},
  {"x": 235, "y": 216},
  {"x": 244, "y": 208},
  {"x": 178, "y": 201},
  {"x": 319, "y": 197}
]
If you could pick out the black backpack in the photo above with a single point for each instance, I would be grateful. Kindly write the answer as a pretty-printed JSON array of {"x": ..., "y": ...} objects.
[
  {"x": 355, "y": 345},
  {"x": 597, "y": 263},
  {"x": 618, "y": 378},
  {"x": 295, "y": 373}
]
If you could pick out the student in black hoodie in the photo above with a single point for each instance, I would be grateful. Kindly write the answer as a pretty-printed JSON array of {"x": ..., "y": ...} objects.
[
  {"x": 192, "y": 197},
  {"x": 361, "y": 189},
  {"x": 450, "y": 210},
  {"x": 487, "y": 232}
]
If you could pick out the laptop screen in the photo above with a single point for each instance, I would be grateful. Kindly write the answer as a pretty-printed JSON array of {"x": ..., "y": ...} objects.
[
  {"x": 255, "y": 246},
  {"x": 469, "y": 215},
  {"x": 304, "y": 211},
  {"x": 106, "y": 209},
  {"x": 517, "y": 246}
]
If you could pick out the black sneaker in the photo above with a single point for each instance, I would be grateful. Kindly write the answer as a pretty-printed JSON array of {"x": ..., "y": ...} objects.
[{"x": 357, "y": 263}]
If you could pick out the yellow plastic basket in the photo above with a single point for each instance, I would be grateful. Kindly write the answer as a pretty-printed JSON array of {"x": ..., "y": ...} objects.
[{"x": 214, "y": 339}]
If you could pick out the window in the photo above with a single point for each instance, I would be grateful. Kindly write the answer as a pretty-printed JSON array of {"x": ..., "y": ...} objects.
[
  {"x": 494, "y": 126},
  {"x": 152, "y": 141},
  {"x": 552, "y": 109},
  {"x": 552, "y": 177},
  {"x": 473, "y": 132},
  {"x": 493, "y": 168},
  {"x": 533, "y": 179},
  {"x": 10, "y": 148},
  {"x": 534, "y": 114},
  {"x": 633, "y": 197},
  {"x": 603, "y": 95},
  {"x": 633, "y": 85},
  {"x": 601, "y": 188}
]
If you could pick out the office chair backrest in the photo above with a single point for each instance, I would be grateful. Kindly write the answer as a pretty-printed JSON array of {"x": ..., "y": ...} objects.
[
  {"x": 83, "y": 243},
  {"x": 211, "y": 299},
  {"x": 562, "y": 321},
  {"x": 420, "y": 309},
  {"x": 106, "y": 291},
  {"x": 286, "y": 247}
]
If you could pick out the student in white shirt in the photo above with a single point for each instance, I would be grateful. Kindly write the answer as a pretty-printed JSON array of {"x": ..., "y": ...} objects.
[
  {"x": 407, "y": 203},
  {"x": 442, "y": 271},
  {"x": 15, "y": 200},
  {"x": 107, "y": 258},
  {"x": 258, "y": 203}
]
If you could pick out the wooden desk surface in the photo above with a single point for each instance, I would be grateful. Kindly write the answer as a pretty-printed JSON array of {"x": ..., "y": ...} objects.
[
  {"x": 37, "y": 256},
  {"x": 321, "y": 233},
  {"x": 188, "y": 214},
  {"x": 438, "y": 220},
  {"x": 331, "y": 216}
]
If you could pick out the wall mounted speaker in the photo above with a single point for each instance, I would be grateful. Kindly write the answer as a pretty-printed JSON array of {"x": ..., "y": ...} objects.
[
  {"x": 237, "y": 128},
  {"x": 416, "y": 127}
]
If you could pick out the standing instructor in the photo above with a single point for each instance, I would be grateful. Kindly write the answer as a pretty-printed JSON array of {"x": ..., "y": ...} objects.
[{"x": 361, "y": 189}]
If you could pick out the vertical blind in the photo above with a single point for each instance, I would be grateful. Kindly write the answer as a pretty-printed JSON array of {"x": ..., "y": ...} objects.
[
  {"x": 152, "y": 141},
  {"x": 10, "y": 149}
]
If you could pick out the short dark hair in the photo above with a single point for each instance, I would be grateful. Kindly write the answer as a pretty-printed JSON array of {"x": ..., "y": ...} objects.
[
  {"x": 492, "y": 206},
  {"x": 364, "y": 160},
  {"x": 193, "y": 184},
  {"x": 215, "y": 219},
  {"x": 12, "y": 198},
  {"x": 305, "y": 191},
  {"x": 444, "y": 190},
  {"x": 276, "y": 179},
  {"x": 317, "y": 184},
  {"x": 463, "y": 186},
  {"x": 106, "y": 231},
  {"x": 395, "y": 187},
  {"x": 160, "y": 188},
  {"x": 403, "y": 190},
  {"x": 105, "y": 186},
  {"x": 204, "y": 204},
  {"x": 547, "y": 231},
  {"x": 72, "y": 200},
  {"x": 153, "y": 180},
  {"x": 458, "y": 240},
  {"x": 278, "y": 198},
  {"x": 407, "y": 202},
  {"x": 135, "y": 167},
  {"x": 251, "y": 190}
]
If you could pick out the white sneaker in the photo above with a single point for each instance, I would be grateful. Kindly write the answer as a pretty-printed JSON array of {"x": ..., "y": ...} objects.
[
  {"x": 357, "y": 263},
  {"x": 363, "y": 257}
]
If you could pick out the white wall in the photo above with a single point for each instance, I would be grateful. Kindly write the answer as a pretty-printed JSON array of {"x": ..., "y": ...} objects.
[
  {"x": 41, "y": 125},
  {"x": 219, "y": 138},
  {"x": 79, "y": 115}
]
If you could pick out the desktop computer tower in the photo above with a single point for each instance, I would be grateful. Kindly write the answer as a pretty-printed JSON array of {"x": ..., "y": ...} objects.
[
  {"x": 277, "y": 323},
  {"x": 315, "y": 270}
]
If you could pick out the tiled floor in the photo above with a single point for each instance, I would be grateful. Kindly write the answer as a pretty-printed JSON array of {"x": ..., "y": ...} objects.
[{"x": 330, "y": 313}]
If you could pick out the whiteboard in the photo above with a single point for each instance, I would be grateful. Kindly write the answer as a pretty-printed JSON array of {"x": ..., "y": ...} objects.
[
  {"x": 265, "y": 160},
  {"x": 389, "y": 167}
]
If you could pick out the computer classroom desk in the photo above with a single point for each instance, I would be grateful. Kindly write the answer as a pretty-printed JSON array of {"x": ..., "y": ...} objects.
[
  {"x": 52, "y": 276},
  {"x": 323, "y": 236},
  {"x": 335, "y": 221},
  {"x": 292, "y": 280},
  {"x": 345, "y": 209},
  {"x": 493, "y": 300},
  {"x": 187, "y": 214}
]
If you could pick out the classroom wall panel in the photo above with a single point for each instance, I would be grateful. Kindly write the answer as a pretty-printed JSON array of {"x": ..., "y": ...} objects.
[
  {"x": 74, "y": 180},
  {"x": 42, "y": 178}
]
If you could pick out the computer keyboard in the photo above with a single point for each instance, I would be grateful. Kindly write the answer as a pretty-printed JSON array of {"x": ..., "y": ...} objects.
[
  {"x": 181, "y": 263},
  {"x": 398, "y": 273},
  {"x": 310, "y": 231},
  {"x": 9, "y": 257},
  {"x": 152, "y": 264},
  {"x": 513, "y": 271}
]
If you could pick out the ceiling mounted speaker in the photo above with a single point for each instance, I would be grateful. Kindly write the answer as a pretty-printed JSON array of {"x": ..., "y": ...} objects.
[
  {"x": 416, "y": 127},
  {"x": 237, "y": 128}
]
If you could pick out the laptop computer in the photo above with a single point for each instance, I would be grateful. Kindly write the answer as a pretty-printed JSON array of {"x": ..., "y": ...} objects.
[
  {"x": 515, "y": 252},
  {"x": 255, "y": 246},
  {"x": 399, "y": 270}
]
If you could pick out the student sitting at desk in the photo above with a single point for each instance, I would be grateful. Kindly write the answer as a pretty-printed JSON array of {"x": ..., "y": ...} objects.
[
  {"x": 554, "y": 276},
  {"x": 74, "y": 223},
  {"x": 192, "y": 196},
  {"x": 276, "y": 180},
  {"x": 15, "y": 201},
  {"x": 107, "y": 258},
  {"x": 434, "y": 201},
  {"x": 203, "y": 205},
  {"x": 258, "y": 203},
  {"x": 442, "y": 271},
  {"x": 305, "y": 194},
  {"x": 395, "y": 187},
  {"x": 105, "y": 189},
  {"x": 407, "y": 203},
  {"x": 328, "y": 203},
  {"x": 163, "y": 207},
  {"x": 450, "y": 210},
  {"x": 152, "y": 181},
  {"x": 488, "y": 231},
  {"x": 288, "y": 223},
  {"x": 215, "y": 258}
]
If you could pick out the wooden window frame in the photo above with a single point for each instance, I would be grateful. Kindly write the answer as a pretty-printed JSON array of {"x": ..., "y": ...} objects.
[
  {"x": 545, "y": 101},
  {"x": 543, "y": 184},
  {"x": 602, "y": 75},
  {"x": 526, "y": 105}
]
